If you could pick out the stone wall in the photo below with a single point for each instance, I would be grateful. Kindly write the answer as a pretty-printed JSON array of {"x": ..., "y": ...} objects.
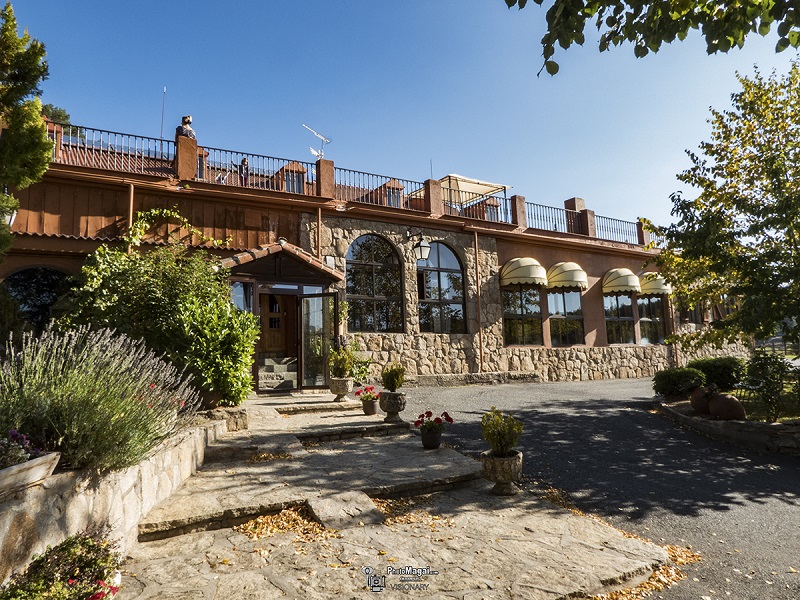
[
  {"x": 450, "y": 359},
  {"x": 67, "y": 503}
]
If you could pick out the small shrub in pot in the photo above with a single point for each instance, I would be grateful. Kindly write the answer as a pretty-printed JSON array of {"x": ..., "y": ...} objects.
[
  {"x": 501, "y": 431},
  {"x": 393, "y": 376}
]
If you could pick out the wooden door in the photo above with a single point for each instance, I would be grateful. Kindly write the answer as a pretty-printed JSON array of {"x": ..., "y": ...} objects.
[{"x": 273, "y": 325}]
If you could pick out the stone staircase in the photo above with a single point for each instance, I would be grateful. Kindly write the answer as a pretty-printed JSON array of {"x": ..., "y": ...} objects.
[{"x": 277, "y": 373}]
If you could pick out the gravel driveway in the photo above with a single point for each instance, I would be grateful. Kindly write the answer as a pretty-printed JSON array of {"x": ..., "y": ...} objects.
[{"x": 599, "y": 442}]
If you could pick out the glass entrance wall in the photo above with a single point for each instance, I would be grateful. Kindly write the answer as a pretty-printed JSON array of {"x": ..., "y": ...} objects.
[{"x": 318, "y": 334}]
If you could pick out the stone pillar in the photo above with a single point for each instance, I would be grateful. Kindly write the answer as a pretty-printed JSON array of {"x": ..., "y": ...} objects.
[
  {"x": 576, "y": 204},
  {"x": 588, "y": 224},
  {"x": 326, "y": 178},
  {"x": 185, "y": 158},
  {"x": 642, "y": 235},
  {"x": 519, "y": 216},
  {"x": 584, "y": 224},
  {"x": 433, "y": 197}
]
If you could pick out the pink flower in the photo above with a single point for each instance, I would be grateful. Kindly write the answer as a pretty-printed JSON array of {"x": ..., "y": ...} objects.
[{"x": 152, "y": 386}]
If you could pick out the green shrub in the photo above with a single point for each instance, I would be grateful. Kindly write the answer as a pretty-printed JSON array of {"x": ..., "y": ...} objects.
[
  {"x": 218, "y": 346},
  {"x": 78, "y": 568},
  {"x": 103, "y": 400},
  {"x": 725, "y": 372},
  {"x": 772, "y": 381},
  {"x": 393, "y": 376},
  {"x": 675, "y": 383},
  {"x": 501, "y": 431},
  {"x": 167, "y": 297},
  {"x": 341, "y": 361}
]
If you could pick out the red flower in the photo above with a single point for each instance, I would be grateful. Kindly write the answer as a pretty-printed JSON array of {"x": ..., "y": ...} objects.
[
  {"x": 113, "y": 589},
  {"x": 417, "y": 423},
  {"x": 438, "y": 421},
  {"x": 101, "y": 583},
  {"x": 370, "y": 388},
  {"x": 152, "y": 386},
  {"x": 447, "y": 417},
  {"x": 97, "y": 596},
  {"x": 359, "y": 392},
  {"x": 71, "y": 581},
  {"x": 428, "y": 414}
]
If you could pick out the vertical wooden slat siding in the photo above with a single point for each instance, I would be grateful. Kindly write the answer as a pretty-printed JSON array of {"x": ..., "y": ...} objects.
[{"x": 52, "y": 209}]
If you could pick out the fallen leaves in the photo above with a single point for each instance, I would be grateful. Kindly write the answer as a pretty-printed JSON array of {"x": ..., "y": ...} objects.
[
  {"x": 408, "y": 511},
  {"x": 268, "y": 456},
  {"x": 296, "y": 520}
]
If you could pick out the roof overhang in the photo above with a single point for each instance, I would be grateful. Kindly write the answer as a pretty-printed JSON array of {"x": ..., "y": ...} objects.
[
  {"x": 567, "y": 275},
  {"x": 523, "y": 270},
  {"x": 294, "y": 253},
  {"x": 620, "y": 280},
  {"x": 653, "y": 284}
]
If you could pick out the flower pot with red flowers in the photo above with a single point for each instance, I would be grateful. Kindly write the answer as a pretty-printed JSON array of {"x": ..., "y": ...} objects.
[
  {"x": 502, "y": 464},
  {"x": 431, "y": 428},
  {"x": 369, "y": 399},
  {"x": 393, "y": 402}
]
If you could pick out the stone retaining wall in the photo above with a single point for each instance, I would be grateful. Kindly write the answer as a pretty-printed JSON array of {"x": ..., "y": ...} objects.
[
  {"x": 764, "y": 437},
  {"x": 67, "y": 503}
]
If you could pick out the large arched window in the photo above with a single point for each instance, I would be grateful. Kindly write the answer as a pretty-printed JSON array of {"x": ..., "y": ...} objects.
[
  {"x": 374, "y": 286},
  {"x": 440, "y": 282},
  {"x": 36, "y": 291}
]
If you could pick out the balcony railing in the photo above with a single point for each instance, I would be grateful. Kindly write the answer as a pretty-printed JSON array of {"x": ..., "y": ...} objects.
[
  {"x": 101, "y": 149},
  {"x": 616, "y": 230},
  {"x": 380, "y": 190},
  {"x": 554, "y": 219},
  {"x": 241, "y": 169},
  {"x": 471, "y": 205}
]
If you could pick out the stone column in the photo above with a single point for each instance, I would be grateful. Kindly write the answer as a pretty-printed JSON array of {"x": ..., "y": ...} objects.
[
  {"x": 519, "y": 216},
  {"x": 642, "y": 235},
  {"x": 433, "y": 198},
  {"x": 326, "y": 179},
  {"x": 185, "y": 158}
]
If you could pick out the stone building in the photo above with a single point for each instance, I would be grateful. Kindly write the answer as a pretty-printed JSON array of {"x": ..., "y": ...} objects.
[{"x": 453, "y": 277}]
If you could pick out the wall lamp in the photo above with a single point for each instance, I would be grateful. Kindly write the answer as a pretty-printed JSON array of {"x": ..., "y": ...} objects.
[{"x": 422, "y": 249}]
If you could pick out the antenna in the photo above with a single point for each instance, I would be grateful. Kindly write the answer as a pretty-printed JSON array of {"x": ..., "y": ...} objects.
[{"x": 321, "y": 153}]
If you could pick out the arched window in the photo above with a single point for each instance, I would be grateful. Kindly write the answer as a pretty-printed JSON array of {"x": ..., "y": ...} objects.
[
  {"x": 36, "y": 291},
  {"x": 440, "y": 282},
  {"x": 374, "y": 286}
]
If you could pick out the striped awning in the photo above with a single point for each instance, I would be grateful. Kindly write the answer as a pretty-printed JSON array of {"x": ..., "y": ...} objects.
[
  {"x": 523, "y": 270},
  {"x": 653, "y": 284},
  {"x": 620, "y": 280},
  {"x": 566, "y": 275}
]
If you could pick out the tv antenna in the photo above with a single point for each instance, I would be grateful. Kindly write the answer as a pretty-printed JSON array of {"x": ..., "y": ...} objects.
[{"x": 320, "y": 154}]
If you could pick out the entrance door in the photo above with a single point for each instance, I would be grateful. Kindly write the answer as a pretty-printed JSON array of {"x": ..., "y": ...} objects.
[
  {"x": 319, "y": 314},
  {"x": 273, "y": 325}
]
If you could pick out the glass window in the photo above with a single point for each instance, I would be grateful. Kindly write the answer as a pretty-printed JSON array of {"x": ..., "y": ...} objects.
[
  {"x": 619, "y": 319},
  {"x": 566, "y": 317},
  {"x": 242, "y": 295},
  {"x": 393, "y": 197},
  {"x": 294, "y": 181},
  {"x": 522, "y": 315},
  {"x": 374, "y": 286},
  {"x": 651, "y": 319},
  {"x": 440, "y": 284}
]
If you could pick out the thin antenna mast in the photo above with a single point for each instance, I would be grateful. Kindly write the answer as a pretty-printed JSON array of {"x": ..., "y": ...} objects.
[
  {"x": 320, "y": 154},
  {"x": 163, "y": 100}
]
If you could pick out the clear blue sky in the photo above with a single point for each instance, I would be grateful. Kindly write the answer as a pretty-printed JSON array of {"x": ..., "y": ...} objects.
[{"x": 397, "y": 85}]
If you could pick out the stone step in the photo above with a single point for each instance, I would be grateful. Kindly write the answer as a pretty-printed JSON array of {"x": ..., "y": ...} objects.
[{"x": 272, "y": 368}]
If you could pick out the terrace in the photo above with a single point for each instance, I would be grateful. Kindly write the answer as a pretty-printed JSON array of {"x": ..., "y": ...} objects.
[{"x": 459, "y": 197}]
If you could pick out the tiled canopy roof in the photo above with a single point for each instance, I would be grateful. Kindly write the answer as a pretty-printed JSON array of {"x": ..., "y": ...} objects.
[{"x": 294, "y": 252}]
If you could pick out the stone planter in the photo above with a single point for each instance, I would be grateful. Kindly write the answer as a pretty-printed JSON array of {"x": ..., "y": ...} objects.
[
  {"x": 392, "y": 403},
  {"x": 341, "y": 386},
  {"x": 503, "y": 470},
  {"x": 431, "y": 440},
  {"x": 370, "y": 407},
  {"x": 18, "y": 477}
]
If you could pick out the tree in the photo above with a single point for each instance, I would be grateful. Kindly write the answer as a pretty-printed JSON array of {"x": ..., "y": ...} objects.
[
  {"x": 25, "y": 149},
  {"x": 739, "y": 239},
  {"x": 56, "y": 114},
  {"x": 649, "y": 23}
]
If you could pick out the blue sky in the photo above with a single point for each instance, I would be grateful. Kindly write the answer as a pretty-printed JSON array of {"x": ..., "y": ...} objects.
[{"x": 397, "y": 86}]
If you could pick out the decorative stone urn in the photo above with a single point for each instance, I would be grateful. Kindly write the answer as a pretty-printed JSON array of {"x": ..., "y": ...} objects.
[
  {"x": 392, "y": 403},
  {"x": 503, "y": 470},
  {"x": 341, "y": 386},
  {"x": 18, "y": 477}
]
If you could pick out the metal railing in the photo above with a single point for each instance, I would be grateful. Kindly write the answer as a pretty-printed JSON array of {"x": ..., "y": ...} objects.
[
  {"x": 616, "y": 230},
  {"x": 554, "y": 219},
  {"x": 242, "y": 169},
  {"x": 472, "y": 205},
  {"x": 380, "y": 190},
  {"x": 659, "y": 241},
  {"x": 102, "y": 149}
]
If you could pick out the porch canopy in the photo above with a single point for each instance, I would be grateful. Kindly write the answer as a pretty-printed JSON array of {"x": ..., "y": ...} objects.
[
  {"x": 283, "y": 262},
  {"x": 567, "y": 275},
  {"x": 653, "y": 284},
  {"x": 620, "y": 281},
  {"x": 524, "y": 270}
]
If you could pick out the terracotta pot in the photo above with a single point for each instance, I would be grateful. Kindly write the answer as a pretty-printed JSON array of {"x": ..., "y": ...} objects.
[
  {"x": 726, "y": 408},
  {"x": 370, "y": 407},
  {"x": 699, "y": 399},
  {"x": 18, "y": 477},
  {"x": 392, "y": 403},
  {"x": 503, "y": 470},
  {"x": 341, "y": 386},
  {"x": 431, "y": 439}
]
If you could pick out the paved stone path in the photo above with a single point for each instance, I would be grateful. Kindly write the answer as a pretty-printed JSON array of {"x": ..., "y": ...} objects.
[{"x": 482, "y": 546}]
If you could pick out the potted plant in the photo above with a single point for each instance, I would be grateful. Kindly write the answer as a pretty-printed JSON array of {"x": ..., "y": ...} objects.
[
  {"x": 393, "y": 402},
  {"x": 341, "y": 361},
  {"x": 502, "y": 464},
  {"x": 369, "y": 399},
  {"x": 21, "y": 465},
  {"x": 431, "y": 428}
]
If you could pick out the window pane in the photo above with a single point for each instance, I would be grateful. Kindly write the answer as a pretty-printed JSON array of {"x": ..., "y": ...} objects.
[
  {"x": 436, "y": 310},
  {"x": 625, "y": 306},
  {"x": 566, "y": 332},
  {"x": 425, "y": 317},
  {"x": 656, "y": 307},
  {"x": 431, "y": 285},
  {"x": 555, "y": 303},
  {"x": 644, "y": 308},
  {"x": 511, "y": 302},
  {"x": 626, "y": 332},
  {"x": 242, "y": 295},
  {"x": 512, "y": 332},
  {"x": 532, "y": 332},
  {"x": 612, "y": 332},
  {"x": 453, "y": 318},
  {"x": 610, "y": 307},
  {"x": 360, "y": 281},
  {"x": 530, "y": 301},
  {"x": 572, "y": 302},
  {"x": 360, "y": 316},
  {"x": 447, "y": 258},
  {"x": 452, "y": 286},
  {"x": 387, "y": 282}
]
